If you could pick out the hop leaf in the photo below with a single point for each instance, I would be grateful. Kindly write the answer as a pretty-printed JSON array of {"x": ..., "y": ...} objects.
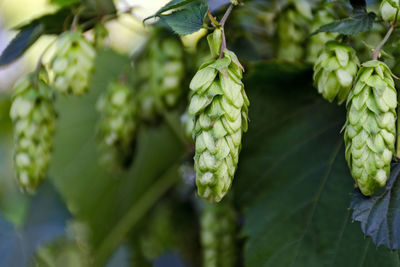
[
  {"x": 73, "y": 63},
  {"x": 34, "y": 119},
  {"x": 117, "y": 125},
  {"x": 218, "y": 227},
  {"x": 335, "y": 70},
  {"x": 371, "y": 126},
  {"x": 219, "y": 106}
]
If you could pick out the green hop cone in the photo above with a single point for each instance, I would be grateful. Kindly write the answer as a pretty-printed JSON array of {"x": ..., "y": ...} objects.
[
  {"x": 293, "y": 28},
  {"x": 34, "y": 119},
  {"x": 218, "y": 225},
  {"x": 388, "y": 9},
  {"x": 117, "y": 125},
  {"x": 335, "y": 70},
  {"x": 73, "y": 63},
  {"x": 219, "y": 106},
  {"x": 370, "y": 127},
  {"x": 316, "y": 43},
  {"x": 161, "y": 71}
]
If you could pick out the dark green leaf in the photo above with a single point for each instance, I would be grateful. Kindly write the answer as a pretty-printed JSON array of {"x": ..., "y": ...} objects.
[
  {"x": 293, "y": 182},
  {"x": 186, "y": 20},
  {"x": 380, "y": 215},
  {"x": 359, "y": 22},
  {"x": 174, "y": 4},
  {"x": 24, "y": 39},
  {"x": 358, "y": 4}
]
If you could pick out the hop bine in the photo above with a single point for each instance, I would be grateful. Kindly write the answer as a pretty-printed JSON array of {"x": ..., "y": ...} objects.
[
  {"x": 370, "y": 127},
  {"x": 118, "y": 123},
  {"x": 335, "y": 70},
  {"x": 34, "y": 119},
  {"x": 73, "y": 63},
  {"x": 219, "y": 106},
  {"x": 218, "y": 225}
]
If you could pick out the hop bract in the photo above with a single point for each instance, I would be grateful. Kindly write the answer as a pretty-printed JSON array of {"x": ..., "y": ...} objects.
[
  {"x": 293, "y": 28},
  {"x": 161, "y": 72},
  {"x": 371, "y": 126},
  {"x": 316, "y": 43},
  {"x": 219, "y": 106},
  {"x": 218, "y": 224},
  {"x": 34, "y": 119},
  {"x": 73, "y": 63},
  {"x": 117, "y": 125},
  {"x": 388, "y": 9},
  {"x": 335, "y": 70}
]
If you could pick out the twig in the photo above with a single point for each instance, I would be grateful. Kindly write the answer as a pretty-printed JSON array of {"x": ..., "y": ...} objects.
[
  {"x": 378, "y": 48},
  {"x": 222, "y": 25}
]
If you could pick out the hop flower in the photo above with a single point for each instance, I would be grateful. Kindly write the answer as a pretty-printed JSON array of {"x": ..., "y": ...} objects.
[
  {"x": 293, "y": 27},
  {"x": 389, "y": 9},
  {"x": 73, "y": 63},
  {"x": 316, "y": 43},
  {"x": 371, "y": 126},
  {"x": 161, "y": 72},
  {"x": 117, "y": 126},
  {"x": 219, "y": 106},
  {"x": 335, "y": 70},
  {"x": 218, "y": 235},
  {"x": 34, "y": 119}
]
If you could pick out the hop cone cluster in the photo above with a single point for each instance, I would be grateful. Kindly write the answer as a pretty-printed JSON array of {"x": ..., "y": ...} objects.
[
  {"x": 218, "y": 223},
  {"x": 34, "y": 119},
  {"x": 219, "y": 106},
  {"x": 73, "y": 63},
  {"x": 317, "y": 42},
  {"x": 293, "y": 28},
  {"x": 370, "y": 127},
  {"x": 117, "y": 126},
  {"x": 161, "y": 72},
  {"x": 388, "y": 9},
  {"x": 335, "y": 70}
]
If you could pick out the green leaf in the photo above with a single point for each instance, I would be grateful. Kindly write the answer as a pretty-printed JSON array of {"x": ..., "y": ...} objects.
[
  {"x": 293, "y": 183},
  {"x": 358, "y": 4},
  {"x": 359, "y": 22},
  {"x": 186, "y": 20},
  {"x": 174, "y": 4},
  {"x": 64, "y": 3},
  {"x": 379, "y": 215}
]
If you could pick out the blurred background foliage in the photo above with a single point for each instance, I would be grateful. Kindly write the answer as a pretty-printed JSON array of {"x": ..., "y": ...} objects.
[{"x": 292, "y": 190}]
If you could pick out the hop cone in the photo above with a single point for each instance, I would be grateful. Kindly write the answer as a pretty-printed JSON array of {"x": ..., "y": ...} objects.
[
  {"x": 117, "y": 126},
  {"x": 335, "y": 70},
  {"x": 293, "y": 28},
  {"x": 388, "y": 9},
  {"x": 73, "y": 63},
  {"x": 370, "y": 127},
  {"x": 161, "y": 72},
  {"x": 219, "y": 105},
  {"x": 218, "y": 235},
  {"x": 34, "y": 119},
  {"x": 317, "y": 42}
]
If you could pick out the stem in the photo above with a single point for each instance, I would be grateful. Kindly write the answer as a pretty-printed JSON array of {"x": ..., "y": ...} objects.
[
  {"x": 222, "y": 24},
  {"x": 378, "y": 48}
]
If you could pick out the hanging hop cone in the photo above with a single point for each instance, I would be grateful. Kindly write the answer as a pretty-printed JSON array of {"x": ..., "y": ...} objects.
[
  {"x": 316, "y": 43},
  {"x": 335, "y": 70},
  {"x": 388, "y": 9},
  {"x": 117, "y": 125},
  {"x": 34, "y": 118},
  {"x": 370, "y": 126},
  {"x": 161, "y": 73},
  {"x": 219, "y": 106},
  {"x": 218, "y": 225},
  {"x": 293, "y": 28},
  {"x": 73, "y": 63}
]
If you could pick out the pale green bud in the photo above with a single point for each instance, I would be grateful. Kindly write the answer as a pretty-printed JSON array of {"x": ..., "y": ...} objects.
[{"x": 389, "y": 9}]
